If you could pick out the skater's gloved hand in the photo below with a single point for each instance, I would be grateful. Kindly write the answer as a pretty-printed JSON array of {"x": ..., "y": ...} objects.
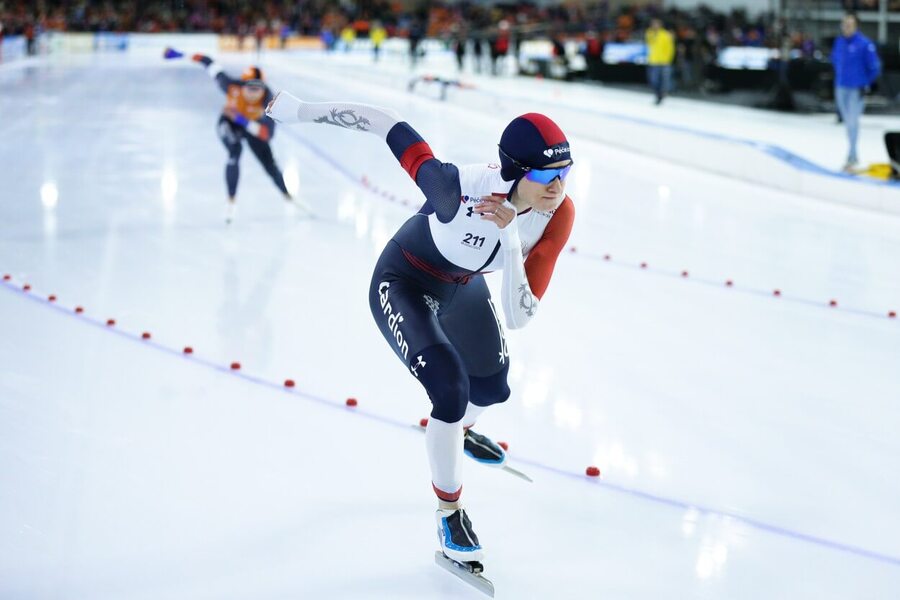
[
  {"x": 202, "y": 58},
  {"x": 284, "y": 107},
  {"x": 235, "y": 117},
  {"x": 496, "y": 209},
  {"x": 170, "y": 53}
]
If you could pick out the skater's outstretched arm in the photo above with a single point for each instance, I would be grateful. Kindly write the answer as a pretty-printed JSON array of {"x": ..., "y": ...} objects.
[
  {"x": 439, "y": 181},
  {"x": 215, "y": 71}
]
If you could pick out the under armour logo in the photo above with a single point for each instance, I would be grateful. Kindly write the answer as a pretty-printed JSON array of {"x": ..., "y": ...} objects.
[
  {"x": 469, "y": 211},
  {"x": 420, "y": 363}
]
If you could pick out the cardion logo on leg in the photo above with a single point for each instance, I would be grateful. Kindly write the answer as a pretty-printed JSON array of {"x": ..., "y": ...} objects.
[{"x": 393, "y": 318}]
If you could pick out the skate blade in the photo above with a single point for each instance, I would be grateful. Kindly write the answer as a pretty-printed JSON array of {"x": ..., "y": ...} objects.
[
  {"x": 517, "y": 473},
  {"x": 506, "y": 468},
  {"x": 464, "y": 572}
]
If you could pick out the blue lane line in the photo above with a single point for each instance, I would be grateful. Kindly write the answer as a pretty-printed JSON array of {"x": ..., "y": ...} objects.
[
  {"x": 323, "y": 155},
  {"x": 613, "y": 487}
]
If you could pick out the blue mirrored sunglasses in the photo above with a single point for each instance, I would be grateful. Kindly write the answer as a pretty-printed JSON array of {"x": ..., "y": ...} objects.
[
  {"x": 542, "y": 176},
  {"x": 545, "y": 176}
]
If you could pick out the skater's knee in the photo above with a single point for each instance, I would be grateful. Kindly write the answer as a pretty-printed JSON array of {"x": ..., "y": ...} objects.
[
  {"x": 493, "y": 389},
  {"x": 440, "y": 370}
]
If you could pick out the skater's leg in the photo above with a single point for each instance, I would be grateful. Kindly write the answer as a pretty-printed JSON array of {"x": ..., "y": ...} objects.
[
  {"x": 407, "y": 316},
  {"x": 411, "y": 328},
  {"x": 231, "y": 139},
  {"x": 472, "y": 324},
  {"x": 485, "y": 392},
  {"x": 263, "y": 152}
]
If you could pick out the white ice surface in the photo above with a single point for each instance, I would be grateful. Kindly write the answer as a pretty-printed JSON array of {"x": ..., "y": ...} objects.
[{"x": 128, "y": 471}]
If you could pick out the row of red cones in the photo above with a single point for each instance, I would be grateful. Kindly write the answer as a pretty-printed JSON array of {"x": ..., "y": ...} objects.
[{"x": 729, "y": 283}]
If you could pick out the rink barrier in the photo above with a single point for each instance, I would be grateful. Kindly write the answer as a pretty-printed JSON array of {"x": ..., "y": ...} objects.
[
  {"x": 757, "y": 162},
  {"x": 753, "y": 161},
  {"x": 589, "y": 475},
  {"x": 749, "y": 160},
  {"x": 366, "y": 183}
]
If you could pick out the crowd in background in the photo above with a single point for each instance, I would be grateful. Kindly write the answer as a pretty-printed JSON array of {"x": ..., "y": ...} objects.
[
  {"x": 486, "y": 32},
  {"x": 433, "y": 19}
]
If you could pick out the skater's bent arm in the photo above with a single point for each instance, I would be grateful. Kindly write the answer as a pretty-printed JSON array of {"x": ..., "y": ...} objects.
[
  {"x": 438, "y": 181},
  {"x": 542, "y": 258},
  {"x": 526, "y": 281},
  {"x": 519, "y": 302},
  {"x": 260, "y": 128}
]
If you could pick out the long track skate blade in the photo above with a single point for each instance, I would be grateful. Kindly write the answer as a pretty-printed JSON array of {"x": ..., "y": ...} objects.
[
  {"x": 517, "y": 473},
  {"x": 476, "y": 580}
]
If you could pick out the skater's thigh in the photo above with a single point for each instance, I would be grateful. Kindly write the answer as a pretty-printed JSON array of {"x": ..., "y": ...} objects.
[
  {"x": 230, "y": 138},
  {"x": 262, "y": 150},
  {"x": 472, "y": 324},
  {"x": 403, "y": 316}
]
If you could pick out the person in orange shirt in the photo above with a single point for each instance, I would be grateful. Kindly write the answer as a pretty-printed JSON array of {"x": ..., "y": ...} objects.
[{"x": 243, "y": 119}]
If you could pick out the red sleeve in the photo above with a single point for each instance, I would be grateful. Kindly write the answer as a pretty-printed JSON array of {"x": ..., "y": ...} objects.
[{"x": 542, "y": 258}]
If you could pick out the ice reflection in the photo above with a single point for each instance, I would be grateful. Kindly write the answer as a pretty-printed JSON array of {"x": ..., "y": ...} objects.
[{"x": 49, "y": 195}]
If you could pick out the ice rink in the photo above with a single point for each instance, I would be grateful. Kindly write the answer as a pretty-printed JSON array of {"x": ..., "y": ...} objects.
[{"x": 746, "y": 439}]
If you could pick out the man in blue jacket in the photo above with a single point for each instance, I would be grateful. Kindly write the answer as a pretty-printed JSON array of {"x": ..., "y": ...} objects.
[{"x": 856, "y": 67}]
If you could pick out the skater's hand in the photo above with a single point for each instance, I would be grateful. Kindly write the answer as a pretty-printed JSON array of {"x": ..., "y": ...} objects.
[
  {"x": 497, "y": 210},
  {"x": 230, "y": 113}
]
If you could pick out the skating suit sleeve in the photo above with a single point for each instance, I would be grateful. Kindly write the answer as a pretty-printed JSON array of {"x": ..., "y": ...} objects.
[
  {"x": 539, "y": 237},
  {"x": 215, "y": 72},
  {"x": 542, "y": 258},
  {"x": 438, "y": 181}
]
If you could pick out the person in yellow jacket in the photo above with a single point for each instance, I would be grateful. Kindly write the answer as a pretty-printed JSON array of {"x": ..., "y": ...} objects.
[
  {"x": 348, "y": 37},
  {"x": 660, "y": 54},
  {"x": 377, "y": 35}
]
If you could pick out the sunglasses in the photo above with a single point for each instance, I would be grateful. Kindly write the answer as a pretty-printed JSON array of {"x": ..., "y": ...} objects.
[
  {"x": 542, "y": 176},
  {"x": 545, "y": 176}
]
